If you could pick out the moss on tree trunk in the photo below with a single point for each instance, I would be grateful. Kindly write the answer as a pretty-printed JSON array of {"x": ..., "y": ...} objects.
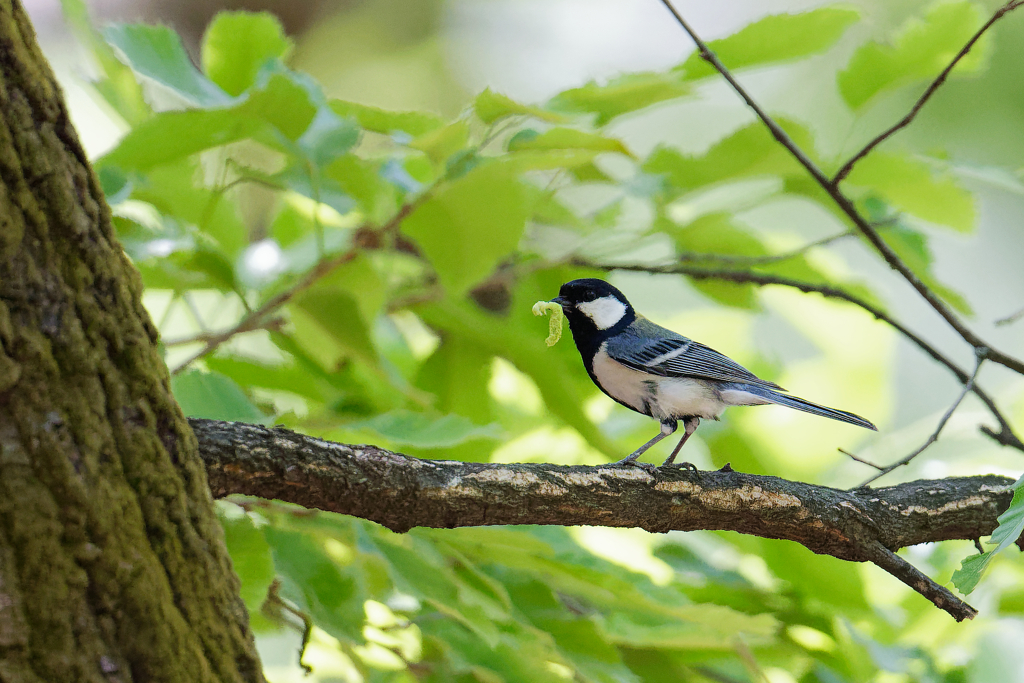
[{"x": 112, "y": 564}]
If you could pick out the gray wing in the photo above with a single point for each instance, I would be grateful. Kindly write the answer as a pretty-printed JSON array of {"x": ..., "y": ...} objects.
[{"x": 651, "y": 348}]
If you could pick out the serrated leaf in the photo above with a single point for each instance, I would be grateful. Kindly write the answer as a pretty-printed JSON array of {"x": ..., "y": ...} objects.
[
  {"x": 491, "y": 106},
  {"x": 237, "y": 44},
  {"x": 469, "y": 225},
  {"x": 213, "y": 396},
  {"x": 775, "y": 38},
  {"x": 281, "y": 108},
  {"x": 913, "y": 186},
  {"x": 419, "y": 430},
  {"x": 156, "y": 52},
  {"x": 619, "y": 96},
  {"x": 388, "y": 122},
  {"x": 966, "y": 578},
  {"x": 750, "y": 151},
  {"x": 569, "y": 138},
  {"x": 919, "y": 50}
]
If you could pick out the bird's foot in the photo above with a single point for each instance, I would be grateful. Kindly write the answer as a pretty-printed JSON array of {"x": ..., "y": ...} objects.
[{"x": 631, "y": 461}]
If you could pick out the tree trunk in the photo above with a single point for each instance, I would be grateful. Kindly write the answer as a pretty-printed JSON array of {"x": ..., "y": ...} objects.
[{"x": 112, "y": 563}]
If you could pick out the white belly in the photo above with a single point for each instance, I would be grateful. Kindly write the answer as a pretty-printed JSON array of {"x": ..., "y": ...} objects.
[{"x": 661, "y": 397}]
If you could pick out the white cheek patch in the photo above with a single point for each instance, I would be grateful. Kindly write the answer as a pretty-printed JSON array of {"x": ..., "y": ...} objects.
[{"x": 605, "y": 312}]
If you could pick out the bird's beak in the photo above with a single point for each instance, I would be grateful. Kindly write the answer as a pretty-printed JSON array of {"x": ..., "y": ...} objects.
[{"x": 560, "y": 301}]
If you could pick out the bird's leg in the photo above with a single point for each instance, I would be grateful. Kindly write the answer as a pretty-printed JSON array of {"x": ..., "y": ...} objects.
[
  {"x": 667, "y": 428},
  {"x": 689, "y": 427}
]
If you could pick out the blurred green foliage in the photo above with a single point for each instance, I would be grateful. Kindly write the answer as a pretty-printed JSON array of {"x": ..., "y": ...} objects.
[{"x": 383, "y": 294}]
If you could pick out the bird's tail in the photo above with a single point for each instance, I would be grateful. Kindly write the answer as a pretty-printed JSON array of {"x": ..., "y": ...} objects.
[{"x": 801, "y": 404}]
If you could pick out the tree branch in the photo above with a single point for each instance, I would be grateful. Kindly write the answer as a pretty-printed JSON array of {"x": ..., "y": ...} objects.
[
  {"x": 939, "y": 80},
  {"x": 847, "y": 207},
  {"x": 400, "y": 492}
]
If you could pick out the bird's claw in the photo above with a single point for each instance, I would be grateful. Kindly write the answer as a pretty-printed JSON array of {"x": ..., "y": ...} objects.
[
  {"x": 683, "y": 465},
  {"x": 631, "y": 461}
]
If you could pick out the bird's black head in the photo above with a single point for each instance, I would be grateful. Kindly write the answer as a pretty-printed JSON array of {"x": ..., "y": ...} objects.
[{"x": 595, "y": 310}]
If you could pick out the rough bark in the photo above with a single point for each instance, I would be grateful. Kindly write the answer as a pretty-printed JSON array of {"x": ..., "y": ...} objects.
[
  {"x": 112, "y": 563},
  {"x": 399, "y": 492}
]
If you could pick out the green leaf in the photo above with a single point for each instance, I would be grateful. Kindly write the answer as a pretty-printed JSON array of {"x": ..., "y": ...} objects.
[
  {"x": 1011, "y": 522},
  {"x": 775, "y": 38},
  {"x": 619, "y": 96},
  {"x": 280, "y": 109},
  {"x": 469, "y": 225},
  {"x": 921, "y": 49},
  {"x": 336, "y": 314},
  {"x": 250, "y": 555},
  {"x": 116, "y": 84},
  {"x": 388, "y": 122},
  {"x": 913, "y": 186},
  {"x": 419, "y": 430},
  {"x": 213, "y": 396},
  {"x": 441, "y": 143},
  {"x": 491, "y": 106},
  {"x": 966, "y": 578},
  {"x": 237, "y": 44},
  {"x": 912, "y": 247},
  {"x": 361, "y": 180},
  {"x": 327, "y": 137},
  {"x": 750, "y": 151},
  {"x": 331, "y": 592},
  {"x": 569, "y": 138},
  {"x": 156, "y": 52}
]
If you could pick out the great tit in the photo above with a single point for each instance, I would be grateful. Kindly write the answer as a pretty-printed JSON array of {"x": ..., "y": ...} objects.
[{"x": 661, "y": 374}]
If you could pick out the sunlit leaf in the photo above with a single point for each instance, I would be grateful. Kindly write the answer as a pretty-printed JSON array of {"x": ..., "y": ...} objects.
[
  {"x": 921, "y": 49},
  {"x": 237, "y": 44},
  {"x": 570, "y": 138},
  {"x": 156, "y": 52},
  {"x": 913, "y": 186},
  {"x": 388, "y": 122},
  {"x": 491, "y": 106},
  {"x": 468, "y": 226},
  {"x": 775, "y": 38},
  {"x": 619, "y": 96}
]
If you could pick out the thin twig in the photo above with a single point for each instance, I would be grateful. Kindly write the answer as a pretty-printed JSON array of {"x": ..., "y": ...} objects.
[
  {"x": 272, "y": 324},
  {"x": 763, "y": 260},
  {"x": 844, "y": 203},
  {"x": 938, "y": 429},
  {"x": 1010, "y": 319},
  {"x": 940, "y": 596},
  {"x": 1004, "y": 436},
  {"x": 859, "y": 459},
  {"x": 932, "y": 88}
]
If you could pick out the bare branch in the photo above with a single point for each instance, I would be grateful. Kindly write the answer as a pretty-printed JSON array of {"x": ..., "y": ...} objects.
[
  {"x": 400, "y": 492},
  {"x": 940, "y": 596},
  {"x": 1004, "y": 436},
  {"x": 932, "y": 88},
  {"x": 1010, "y": 319},
  {"x": 844, "y": 203},
  {"x": 938, "y": 429},
  {"x": 859, "y": 459}
]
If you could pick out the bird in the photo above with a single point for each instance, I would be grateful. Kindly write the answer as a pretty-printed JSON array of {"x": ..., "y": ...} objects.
[{"x": 659, "y": 373}]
